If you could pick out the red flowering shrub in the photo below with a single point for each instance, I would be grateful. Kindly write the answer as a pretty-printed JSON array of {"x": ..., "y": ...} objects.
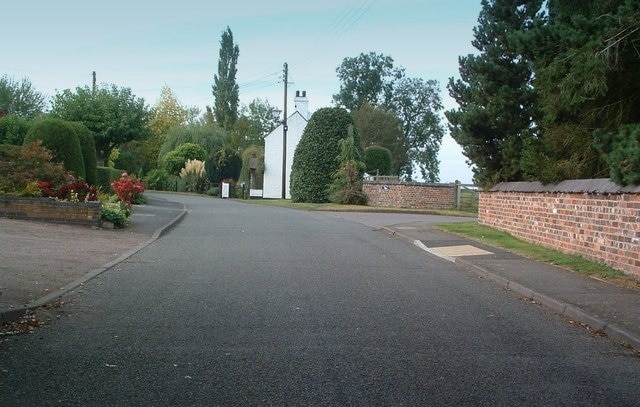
[
  {"x": 71, "y": 190},
  {"x": 128, "y": 189}
]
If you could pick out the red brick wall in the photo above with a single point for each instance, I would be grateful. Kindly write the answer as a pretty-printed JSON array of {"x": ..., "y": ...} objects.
[
  {"x": 410, "y": 195},
  {"x": 48, "y": 210},
  {"x": 601, "y": 227}
]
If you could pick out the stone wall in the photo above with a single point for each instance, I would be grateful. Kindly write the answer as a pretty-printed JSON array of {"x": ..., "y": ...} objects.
[
  {"x": 48, "y": 210},
  {"x": 412, "y": 195},
  {"x": 592, "y": 218}
]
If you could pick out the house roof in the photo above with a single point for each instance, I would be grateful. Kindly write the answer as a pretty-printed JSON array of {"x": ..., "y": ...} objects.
[{"x": 294, "y": 115}]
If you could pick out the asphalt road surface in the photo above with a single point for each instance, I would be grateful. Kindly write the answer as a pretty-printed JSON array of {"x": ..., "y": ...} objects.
[{"x": 251, "y": 305}]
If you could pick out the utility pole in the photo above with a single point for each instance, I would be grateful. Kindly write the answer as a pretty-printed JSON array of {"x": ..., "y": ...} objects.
[
  {"x": 93, "y": 88},
  {"x": 284, "y": 135}
]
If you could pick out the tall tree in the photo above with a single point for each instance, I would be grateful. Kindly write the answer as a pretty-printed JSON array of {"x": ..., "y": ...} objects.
[
  {"x": 586, "y": 61},
  {"x": 225, "y": 88},
  {"x": 417, "y": 103},
  {"x": 20, "y": 98},
  {"x": 495, "y": 116},
  {"x": 367, "y": 78},
  {"x": 112, "y": 113}
]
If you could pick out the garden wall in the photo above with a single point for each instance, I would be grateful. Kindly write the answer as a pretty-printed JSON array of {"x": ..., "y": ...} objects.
[
  {"x": 48, "y": 210},
  {"x": 595, "y": 219},
  {"x": 414, "y": 195}
]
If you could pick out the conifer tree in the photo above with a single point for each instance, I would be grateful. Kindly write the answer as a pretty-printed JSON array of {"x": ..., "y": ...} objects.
[{"x": 225, "y": 88}]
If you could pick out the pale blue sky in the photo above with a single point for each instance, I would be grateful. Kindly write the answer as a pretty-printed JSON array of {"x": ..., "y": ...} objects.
[{"x": 145, "y": 45}]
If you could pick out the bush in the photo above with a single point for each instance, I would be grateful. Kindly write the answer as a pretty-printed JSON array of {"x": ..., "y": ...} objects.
[
  {"x": 223, "y": 164},
  {"x": 22, "y": 166},
  {"x": 174, "y": 161},
  {"x": 59, "y": 137},
  {"x": 210, "y": 138},
  {"x": 195, "y": 176},
  {"x": 116, "y": 213},
  {"x": 88, "y": 147},
  {"x": 252, "y": 152},
  {"x": 157, "y": 179},
  {"x": 131, "y": 157},
  {"x": 377, "y": 160},
  {"x": 314, "y": 161},
  {"x": 70, "y": 190},
  {"x": 13, "y": 129},
  {"x": 105, "y": 176},
  {"x": 128, "y": 189}
]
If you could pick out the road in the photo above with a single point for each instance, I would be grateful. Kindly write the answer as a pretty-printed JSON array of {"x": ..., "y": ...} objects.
[{"x": 251, "y": 305}]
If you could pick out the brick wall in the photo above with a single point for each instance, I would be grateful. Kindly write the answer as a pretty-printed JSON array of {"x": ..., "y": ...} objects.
[
  {"x": 603, "y": 227},
  {"x": 46, "y": 209},
  {"x": 410, "y": 195}
]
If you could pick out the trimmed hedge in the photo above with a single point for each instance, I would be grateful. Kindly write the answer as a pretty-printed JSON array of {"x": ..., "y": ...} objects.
[
  {"x": 315, "y": 158},
  {"x": 105, "y": 176},
  {"x": 88, "y": 147},
  {"x": 377, "y": 160},
  {"x": 59, "y": 137}
]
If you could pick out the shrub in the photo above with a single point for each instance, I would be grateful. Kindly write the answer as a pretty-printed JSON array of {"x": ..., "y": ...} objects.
[
  {"x": 222, "y": 164},
  {"x": 175, "y": 160},
  {"x": 346, "y": 187},
  {"x": 195, "y": 176},
  {"x": 256, "y": 153},
  {"x": 208, "y": 137},
  {"x": 116, "y": 213},
  {"x": 22, "y": 166},
  {"x": 128, "y": 189},
  {"x": 59, "y": 137},
  {"x": 88, "y": 148},
  {"x": 105, "y": 176},
  {"x": 377, "y": 160},
  {"x": 70, "y": 190},
  {"x": 314, "y": 161},
  {"x": 131, "y": 157},
  {"x": 157, "y": 179},
  {"x": 13, "y": 129}
]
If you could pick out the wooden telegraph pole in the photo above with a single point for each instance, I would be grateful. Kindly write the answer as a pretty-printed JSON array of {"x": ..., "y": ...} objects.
[{"x": 284, "y": 135}]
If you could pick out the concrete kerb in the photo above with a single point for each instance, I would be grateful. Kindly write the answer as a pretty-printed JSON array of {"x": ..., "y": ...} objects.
[
  {"x": 8, "y": 315},
  {"x": 557, "y": 306}
]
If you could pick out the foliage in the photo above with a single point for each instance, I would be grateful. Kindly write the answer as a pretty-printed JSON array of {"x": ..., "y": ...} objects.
[
  {"x": 378, "y": 126},
  {"x": 262, "y": 119},
  {"x": 366, "y": 78},
  {"x": 622, "y": 152},
  {"x": 128, "y": 189},
  {"x": 417, "y": 103},
  {"x": 225, "y": 88},
  {"x": 195, "y": 176},
  {"x": 209, "y": 137},
  {"x": 494, "y": 93},
  {"x": 59, "y": 137},
  {"x": 314, "y": 161},
  {"x": 346, "y": 187},
  {"x": 22, "y": 166},
  {"x": 88, "y": 148},
  {"x": 13, "y": 129},
  {"x": 377, "y": 160},
  {"x": 117, "y": 213},
  {"x": 113, "y": 114},
  {"x": 175, "y": 160},
  {"x": 550, "y": 78},
  {"x": 256, "y": 153},
  {"x": 19, "y": 98},
  {"x": 105, "y": 176},
  {"x": 224, "y": 163},
  {"x": 70, "y": 190},
  {"x": 132, "y": 158}
]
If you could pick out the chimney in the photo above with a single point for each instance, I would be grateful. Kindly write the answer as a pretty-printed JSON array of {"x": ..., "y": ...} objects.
[{"x": 302, "y": 103}]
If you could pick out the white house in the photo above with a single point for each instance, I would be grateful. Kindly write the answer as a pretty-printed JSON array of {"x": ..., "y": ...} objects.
[{"x": 296, "y": 123}]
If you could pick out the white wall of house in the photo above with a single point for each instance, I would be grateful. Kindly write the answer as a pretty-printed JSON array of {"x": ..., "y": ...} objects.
[{"x": 296, "y": 123}]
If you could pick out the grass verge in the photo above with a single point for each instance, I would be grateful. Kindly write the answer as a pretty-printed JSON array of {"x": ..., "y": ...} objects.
[
  {"x": 508, "y": 242},
  {"x": 331, "y": 207}
]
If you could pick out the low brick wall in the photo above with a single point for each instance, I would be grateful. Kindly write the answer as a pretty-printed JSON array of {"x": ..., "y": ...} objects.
[
  {"x": 575, "y": 218},
  {"x": 412, "y": 195},
  {"x": 48, "y": 210}
]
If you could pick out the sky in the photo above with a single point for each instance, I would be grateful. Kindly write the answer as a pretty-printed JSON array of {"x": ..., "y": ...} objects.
[{"x": 145, "y": 45}]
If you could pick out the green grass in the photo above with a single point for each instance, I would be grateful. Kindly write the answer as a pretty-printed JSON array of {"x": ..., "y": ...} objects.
[
  {"x": 506, "y": 241},
  {"x": 354, "y": 208}
]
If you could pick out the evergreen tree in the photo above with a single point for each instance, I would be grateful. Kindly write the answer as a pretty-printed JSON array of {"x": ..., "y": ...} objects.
[
  {"x": 225, "y": 88},
  {"x": 496, "y": 113}
]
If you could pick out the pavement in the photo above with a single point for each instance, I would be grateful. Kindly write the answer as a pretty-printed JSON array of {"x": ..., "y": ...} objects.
[{"x": 40, "y": 262}]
